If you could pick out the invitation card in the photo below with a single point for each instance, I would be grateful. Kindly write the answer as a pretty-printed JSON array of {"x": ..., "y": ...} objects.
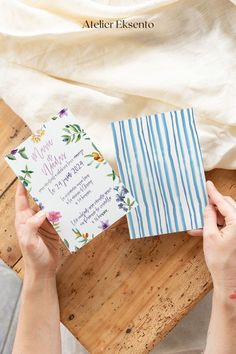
[
  {"x": 67, "y": 175},
  {"x": 160, "y": 162}
]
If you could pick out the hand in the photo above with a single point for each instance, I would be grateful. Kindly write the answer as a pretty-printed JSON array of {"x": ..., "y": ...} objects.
[
  {"x": 219, "y": 240},
  {"x": 39, "y": 242}
]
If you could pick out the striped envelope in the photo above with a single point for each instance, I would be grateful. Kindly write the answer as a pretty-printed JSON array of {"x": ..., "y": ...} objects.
[{"x": 160, "y": 162}]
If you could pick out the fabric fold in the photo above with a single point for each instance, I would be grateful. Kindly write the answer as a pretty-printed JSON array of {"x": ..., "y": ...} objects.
[{"x": 48, "y": 60}]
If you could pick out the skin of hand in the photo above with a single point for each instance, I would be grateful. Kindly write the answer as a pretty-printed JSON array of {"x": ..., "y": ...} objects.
[
  {"x": 219, "y": 239},
  {"x": 219, "y": 243},
  {"x": 38, "y": 329},
  {"x": 39, "y": 243}
]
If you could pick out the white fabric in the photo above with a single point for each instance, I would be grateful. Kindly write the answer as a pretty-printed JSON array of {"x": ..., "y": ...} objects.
[{"x": 48, "y": 61}]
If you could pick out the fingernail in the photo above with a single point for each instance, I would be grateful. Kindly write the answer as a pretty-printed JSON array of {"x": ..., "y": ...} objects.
[
  {"x": 210, "y": 182},
  {"x": 40, "y": 214}
]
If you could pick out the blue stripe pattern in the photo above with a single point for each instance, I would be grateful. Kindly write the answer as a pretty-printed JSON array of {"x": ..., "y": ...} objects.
[{"x": 160, "y": 162}]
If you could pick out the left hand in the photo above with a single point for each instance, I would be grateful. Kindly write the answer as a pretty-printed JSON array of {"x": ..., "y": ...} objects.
[{"x": 39, "y": 242}]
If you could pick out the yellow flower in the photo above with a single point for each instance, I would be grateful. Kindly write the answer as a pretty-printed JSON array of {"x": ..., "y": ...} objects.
[
  {"x": 97, "y": 156},
  {"x": 36, "y": 138}
]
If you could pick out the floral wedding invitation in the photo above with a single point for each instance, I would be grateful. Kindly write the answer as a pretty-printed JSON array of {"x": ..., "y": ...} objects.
[
  {"x": 67, "y": 175},
  {"x": 160, "y": 162}
]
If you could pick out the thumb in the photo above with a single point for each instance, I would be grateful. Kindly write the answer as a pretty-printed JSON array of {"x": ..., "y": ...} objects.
[
  {"x": 36, "y": 220},
  {"x": 210, "y": 221}
]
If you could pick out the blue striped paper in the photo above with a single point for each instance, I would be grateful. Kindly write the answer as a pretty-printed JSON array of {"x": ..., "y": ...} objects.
[{"x": 160, "y": 162}]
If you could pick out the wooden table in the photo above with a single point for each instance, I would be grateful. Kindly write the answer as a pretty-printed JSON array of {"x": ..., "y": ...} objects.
[{"x": 116, "y": 295}]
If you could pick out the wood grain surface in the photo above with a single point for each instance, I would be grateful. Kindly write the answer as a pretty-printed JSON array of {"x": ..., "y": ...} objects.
[{"x": 116, "y": 295}]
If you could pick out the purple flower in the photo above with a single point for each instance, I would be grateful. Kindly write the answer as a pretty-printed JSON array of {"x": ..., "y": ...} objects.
[
  {"x": 119, "y": 198},
  {"x": 122, "y": 206},
  {"x": 124, "y": 190},
  {"x": 104, "y": 225},
  {"x": 38, "y": 202},
  {"x": 13, "y": 152},
  {"x": 63, "y": 112}
]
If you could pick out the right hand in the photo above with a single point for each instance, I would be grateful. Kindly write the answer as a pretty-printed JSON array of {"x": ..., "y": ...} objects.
[{"x": 219, "y": 240}]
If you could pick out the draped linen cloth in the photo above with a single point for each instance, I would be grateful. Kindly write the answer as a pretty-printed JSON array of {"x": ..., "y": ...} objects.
[{"x": 48, "y": 61}]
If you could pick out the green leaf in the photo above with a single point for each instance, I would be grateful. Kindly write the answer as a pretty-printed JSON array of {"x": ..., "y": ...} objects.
[
  {"x": 11, "y": 157},
  {"x": 77, "y": 232},
  {"x": 27, "y": 172},
  {"x": 75, "y": 128},
  {"x": 76, "y": 248},
  {"x": 66, "y": 139},
  {"x": 128, "y": 201},
  {"x": 78, "y": 127},
  {"x": 78, "y": 138},
  {"x": 94, "y": 146},
  {"x": 23, "y": 154},
  {"x": 73, "y": 137},
  {"x": 25, "y": 183},
  {"x": 66, "y": 243},
  {"x": 66, "y": 130}
]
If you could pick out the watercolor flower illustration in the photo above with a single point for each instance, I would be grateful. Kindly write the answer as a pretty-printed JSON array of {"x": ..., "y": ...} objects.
[
  {"x": 54, "y": 216},
  {"x": 95, "y": 157},
  {"x": 38, "y": 203},
  {"x": 37, "y": 137},
  {"x": 84, "y": 237},
  {"x": 73, "y": 133},
  {"x": 123, "y": 201},
  {"x": 54, "y": 219},
  {"x": 104, "y": 225},
  {"x": 13, "y": 153},
  {"x": 63, "y": 112},
  {"x": 26, "y": 177}
]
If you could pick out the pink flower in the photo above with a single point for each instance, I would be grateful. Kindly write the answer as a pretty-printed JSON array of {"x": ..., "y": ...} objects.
[{"x": 54, "y": 216}]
